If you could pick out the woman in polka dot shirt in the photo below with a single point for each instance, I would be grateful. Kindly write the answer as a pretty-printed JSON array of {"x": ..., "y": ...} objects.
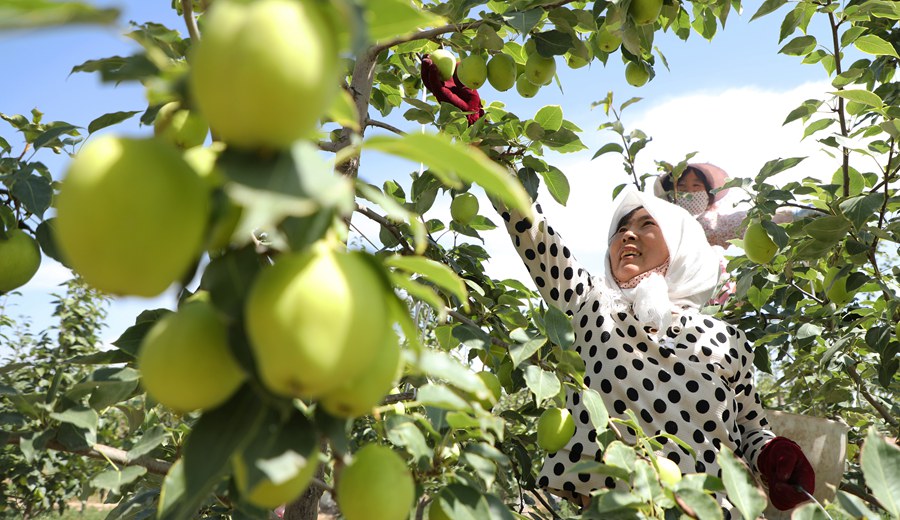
[{"x": 647, "y": 348}]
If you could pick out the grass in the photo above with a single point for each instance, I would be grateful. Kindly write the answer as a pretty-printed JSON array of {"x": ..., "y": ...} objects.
[{"x": 76, "y": 514}]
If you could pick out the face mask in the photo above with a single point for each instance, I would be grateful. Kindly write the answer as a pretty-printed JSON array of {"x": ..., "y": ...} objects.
[{"x": 694, "y": 202}]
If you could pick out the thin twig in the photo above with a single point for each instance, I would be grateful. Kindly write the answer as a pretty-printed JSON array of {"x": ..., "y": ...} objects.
[
  {"x": 382, "y": 124},
  {"x": 882, "y": 410},
  {"x": 545, "y": 504},
  {"x": 387, "y": 224}
]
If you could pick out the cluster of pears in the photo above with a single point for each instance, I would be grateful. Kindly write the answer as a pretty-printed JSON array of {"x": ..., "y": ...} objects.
[
  {"x": 134, "y": 215},
  {"x": 500, "y": 70}
]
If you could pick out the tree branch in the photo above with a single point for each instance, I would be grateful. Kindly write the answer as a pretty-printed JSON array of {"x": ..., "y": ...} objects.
[
  {"x": 381, "y": 124},
  {"x": 387, "y": 224},
  {"x": 187, "y": 11},
  {"x": 454, "y": 27},
  {"x": 424, "y": 35},
  {"x": 879, "y": 407},
  {"x": 103, "y": 452}
]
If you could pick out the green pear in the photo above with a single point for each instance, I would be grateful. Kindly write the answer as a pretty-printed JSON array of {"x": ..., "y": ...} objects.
[
  {"x": 539, "y": 69},
  {"x": 20, "y": 258},
  {"x": 501, "y": 72},
  {"x": 359, "y": 395},
  {"x": 472, "y": 71},
  {"x": 445, "y": 62},
  {"x": 525, "y": 87},
  {"x": 758, "y": 246},
  {"x": 185, "y": 361},
  {"x": 555, "y": 429},
  {"x": 316, "y": 319},
  {"x": 376, "y": 484}
]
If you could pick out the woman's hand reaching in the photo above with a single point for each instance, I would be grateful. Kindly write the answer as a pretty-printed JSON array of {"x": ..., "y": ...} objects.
[{"x": 784, "y": 467}]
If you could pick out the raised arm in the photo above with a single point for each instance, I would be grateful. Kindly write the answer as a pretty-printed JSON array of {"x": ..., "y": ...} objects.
[{"x": 560, "y": 279}]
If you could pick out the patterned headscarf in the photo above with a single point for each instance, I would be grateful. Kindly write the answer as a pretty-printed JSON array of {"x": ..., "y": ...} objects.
[{"x": 693, "y": 268}]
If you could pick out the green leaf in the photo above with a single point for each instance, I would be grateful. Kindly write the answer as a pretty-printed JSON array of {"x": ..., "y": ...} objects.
[
  {"x": 396, "y": 212},
  {"x": 828, "y": 228},
  {"x": 442, "y": 366},
  {"x": 116, "y": 69},
  {"x": 559, "y": 327},
  {"x": 809, "y": 330},
  {"x": 484, "y": 468},
  {"x": 542, "y": 384},
  {"x": 776, "y": 166},
  {"x": 817, "y": 126},
  {"x": 526, "y": 349},
  {"x": 769, "y": 6},
  {"x": 148, "y": 442},
  {"x": 880, "y": 461},
  {"x": 23, "y": 14},
  {"x": 401, "y": 430},
  {"x": 742, "y": 491},
  {"x": 563, "y": 140},
  {"x": 596, "y": 409},
  {"x": 550, "y": 118},
  {"x": 420, "y": 292},
  {"x": 854, "y": 505},
  {"x": 873, "y": 44},
  {"x": 343, "y": 111},
  {"x": 799, "y": 46},
  {"x": 703, "y": 505},
  {"x": 441, "y": 155},
  {"x": 110, "y": 119},
  {"x": 860, "y": 209},
  {"x": 524, "y": 21},
  {"x": 608, "y": 147},
  {"x": 888, "y": 9},
  {"x": 620, "y": 455},
  {"x": 553, "y": 43},
  {"x": 112, "y": 480},
  {"x": 34, "y": 192},
  {"x": 391, "y": 18},
  {"x": 861, "y": 96},
  {"x": 557, "y": 184},
  {"x": 279, "y": 450},
  {"x": 435, "y": 272},
  {"x": 441, "y": 397},
  {"x": 215, "y": 437},
  {"x": 809, "y": 511},
  {"x": 79, "y": 416},
  {"x": 53, "y": 134}
]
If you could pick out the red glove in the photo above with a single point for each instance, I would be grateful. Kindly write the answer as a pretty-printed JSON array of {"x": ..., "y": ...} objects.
[
  {"x": 783, "y": 466},
  {"x": 451, "y": 91}
]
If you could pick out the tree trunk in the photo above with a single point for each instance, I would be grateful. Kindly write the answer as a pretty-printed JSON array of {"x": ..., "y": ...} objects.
[{"x": 307, "y": 506}]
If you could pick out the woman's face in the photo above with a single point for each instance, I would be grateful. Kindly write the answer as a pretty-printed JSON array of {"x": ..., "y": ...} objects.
[
  {"x": 637, "y": 246},
  {"x": 689, "y": 182}
]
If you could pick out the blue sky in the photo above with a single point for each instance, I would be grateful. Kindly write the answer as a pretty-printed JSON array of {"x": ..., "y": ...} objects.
[{"x": 725, "y": 99}]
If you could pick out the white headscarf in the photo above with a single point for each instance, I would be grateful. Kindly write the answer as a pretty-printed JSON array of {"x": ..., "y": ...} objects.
[{"x": 693, "y": 271}]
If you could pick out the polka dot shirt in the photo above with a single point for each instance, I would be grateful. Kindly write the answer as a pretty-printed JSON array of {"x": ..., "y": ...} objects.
[{"x": 694, "y": 381}]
